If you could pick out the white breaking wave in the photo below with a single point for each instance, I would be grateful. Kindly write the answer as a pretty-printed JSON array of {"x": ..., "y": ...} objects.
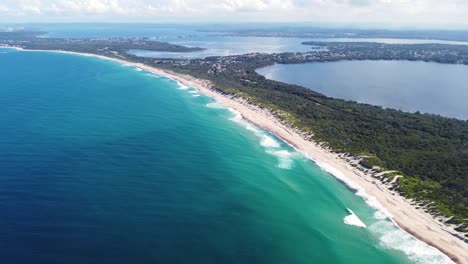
[
  {"x": 353, "y": 219},
  {"x": 237, "y": 115},
  {"x": 285, "y": 160},
  {"x": 388, "y": 232},
  {"x": 284, "y": 157},
  {"x": 182, "y": 86},
  {"x": 237, "y": 118},
  {"x": 379, "y": 215},
  {"x": 269, "y": 142},
  {"x": 241, "y": 121},
  {"x": 138, "y": 69},
  {"x": 154, "y": 75},
  {"x": 192, "y": 90},
  {"x": 370, "y": 200},
  {"x": 395, "y": 238},
  {"x": 215, "y": 105}
]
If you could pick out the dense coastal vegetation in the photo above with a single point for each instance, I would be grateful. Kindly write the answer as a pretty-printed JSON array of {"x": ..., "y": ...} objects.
[{"x": 429, "y": 152}]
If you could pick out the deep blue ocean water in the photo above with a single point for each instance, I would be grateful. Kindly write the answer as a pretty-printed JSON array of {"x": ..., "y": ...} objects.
[
  {"x": 406, "y": 85},
  {"x": 104, "y": 163}
]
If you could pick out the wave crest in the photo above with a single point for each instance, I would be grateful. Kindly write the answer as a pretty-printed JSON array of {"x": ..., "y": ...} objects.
[
  {"x": 395, "y": 238},
  {"x": 284, "y": 157},
  {"x": 269, "y": 142},
  {"x": 353, "y": 219},
  {"x": 182, "y": 86},
  {"x": 215, "y": 105}
]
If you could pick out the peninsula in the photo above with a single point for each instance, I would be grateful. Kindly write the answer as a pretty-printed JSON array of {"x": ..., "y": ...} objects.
[{"x": 415, "y": 165}]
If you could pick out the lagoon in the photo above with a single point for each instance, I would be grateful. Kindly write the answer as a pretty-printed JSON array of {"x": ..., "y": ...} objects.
[
  {"x": 215, "y": 42},
  {"x": 406, "y": 85}
]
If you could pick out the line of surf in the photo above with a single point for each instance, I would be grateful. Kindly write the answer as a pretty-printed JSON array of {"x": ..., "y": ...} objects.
[{"x": 370, "y": 200}]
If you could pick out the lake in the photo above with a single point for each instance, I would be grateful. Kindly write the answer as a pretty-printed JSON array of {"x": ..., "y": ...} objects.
[{"x": 406, "y": 85}]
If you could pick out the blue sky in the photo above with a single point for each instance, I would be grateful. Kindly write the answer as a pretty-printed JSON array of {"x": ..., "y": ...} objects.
[{"x": 430, "y": 13}]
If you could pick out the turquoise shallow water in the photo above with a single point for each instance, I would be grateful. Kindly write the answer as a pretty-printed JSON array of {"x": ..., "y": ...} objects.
[{"x": 104, "y": 163}]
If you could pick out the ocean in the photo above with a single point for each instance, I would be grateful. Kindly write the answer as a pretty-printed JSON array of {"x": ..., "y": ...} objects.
[{"x": 106, "y": 163}]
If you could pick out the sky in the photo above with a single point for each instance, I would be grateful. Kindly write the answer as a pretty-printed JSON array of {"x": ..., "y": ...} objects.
[{"x": 391, "y": 13}]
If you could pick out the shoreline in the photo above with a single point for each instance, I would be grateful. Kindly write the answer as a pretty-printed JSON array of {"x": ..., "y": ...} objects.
[{"x": 399, "y": 210}]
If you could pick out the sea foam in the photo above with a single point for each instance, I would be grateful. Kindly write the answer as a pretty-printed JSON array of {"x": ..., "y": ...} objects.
[
  {"x": 395, "y": 238},
  {"x": 237, "y": 118},
  {"x": 353, "y": 219},
  {"x": 215, "y": 105},
  {"x": 154, "y": 75},
  {"x": 389, "y": 235},
  {"x": 269, "y": 142},
  {"x": 182, "y": 86},
  {"x": 387, "y": 230},
  {"x": 192, "y": 90},
  {"x": 359, "y": 191},
  {"x": 272, "y": 147},
  {"x": 284, "y": 157}
]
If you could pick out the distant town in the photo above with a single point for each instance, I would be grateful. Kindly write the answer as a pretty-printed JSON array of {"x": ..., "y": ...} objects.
[{"x": 34, "y": 40}]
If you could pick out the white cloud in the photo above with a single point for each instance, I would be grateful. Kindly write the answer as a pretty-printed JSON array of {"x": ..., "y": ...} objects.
[
  {"x": 3, "y": 9},
  {"x": 332, "y": 11},
  {"x": 244, "y": 5}
]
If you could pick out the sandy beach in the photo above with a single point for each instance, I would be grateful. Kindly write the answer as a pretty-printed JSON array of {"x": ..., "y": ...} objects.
[{"x": 415, "y": 221}]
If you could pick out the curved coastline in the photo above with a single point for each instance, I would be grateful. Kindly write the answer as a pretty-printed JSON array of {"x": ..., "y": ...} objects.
[{"x": 416, "y": 222}]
